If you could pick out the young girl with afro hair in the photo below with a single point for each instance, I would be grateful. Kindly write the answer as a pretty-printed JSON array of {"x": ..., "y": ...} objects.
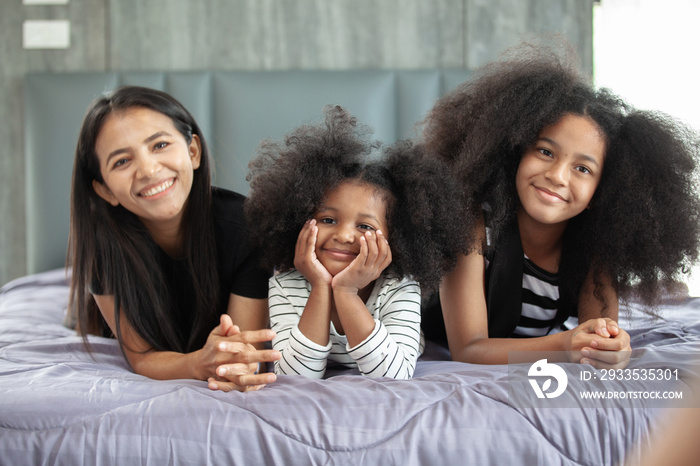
[
  {"x": 352, "y": 234},
  {"x": 582, "y": 199}
]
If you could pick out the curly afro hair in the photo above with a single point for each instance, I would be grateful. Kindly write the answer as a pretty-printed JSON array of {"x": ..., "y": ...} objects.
[
  {"x": 644, "y": 225},
  {"x": 289, "y": 182}
]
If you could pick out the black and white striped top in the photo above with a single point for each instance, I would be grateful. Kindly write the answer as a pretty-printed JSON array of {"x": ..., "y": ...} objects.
[
  {"x": 540, "y": 301},
  {"x": 391, "y": 350}
]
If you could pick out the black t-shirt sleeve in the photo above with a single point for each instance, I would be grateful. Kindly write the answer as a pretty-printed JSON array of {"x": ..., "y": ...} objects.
[
  {"x": 250, "y": 280},
  {"x": 239, "y": 269}
]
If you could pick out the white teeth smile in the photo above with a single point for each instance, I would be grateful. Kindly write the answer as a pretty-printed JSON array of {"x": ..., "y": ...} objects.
[{"x": 158, "y": 189}]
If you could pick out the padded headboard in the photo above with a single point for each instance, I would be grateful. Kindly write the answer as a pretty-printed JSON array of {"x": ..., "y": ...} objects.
[{"x": 235, "y": 109}]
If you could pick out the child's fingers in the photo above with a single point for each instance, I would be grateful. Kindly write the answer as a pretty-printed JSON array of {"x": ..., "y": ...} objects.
[
  {"x": 372, "y": 249},
  {"x": 384, "y": 250},
  {"x": 305, "y": 250},
  {"x": 313, "y": 235},
  {"x": 601, "y": 328},
  {"x": 605, "y": 359},
  {"x": 613, "y": 328},
  {"x": 609, "y": 344},
  {"x": 364, "y": 252},
  {"x": 598, "y": 326},
  {"x": 359, "y": 263},
  {"x": 605, "y": 327},
  {"x": 302, "y": 239},
  {"x": 310, "y": 244}
]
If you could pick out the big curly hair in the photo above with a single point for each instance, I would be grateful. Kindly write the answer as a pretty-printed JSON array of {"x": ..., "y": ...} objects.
[
  {"x": 289, "y": 181},
  {"x": 644, "y": 225}
]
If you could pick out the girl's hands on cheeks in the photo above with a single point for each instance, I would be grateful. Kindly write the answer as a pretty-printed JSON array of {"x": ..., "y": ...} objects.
[
  {"x": 601, "y": 343},
  {"x": 305, "y": 260},
  {"x": 229, "y": 361},
  {"x": 374, "y": 257}
]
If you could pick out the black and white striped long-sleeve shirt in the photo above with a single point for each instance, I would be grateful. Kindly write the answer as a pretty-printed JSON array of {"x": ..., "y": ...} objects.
[{"x": 391, "y": 350}]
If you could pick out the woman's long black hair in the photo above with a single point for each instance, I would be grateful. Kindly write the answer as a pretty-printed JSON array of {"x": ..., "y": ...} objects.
[{"x": 111, "y": 248}]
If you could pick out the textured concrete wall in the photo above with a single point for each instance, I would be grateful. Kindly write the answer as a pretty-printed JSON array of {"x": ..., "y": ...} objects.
[{"x": 255, "y": 35}]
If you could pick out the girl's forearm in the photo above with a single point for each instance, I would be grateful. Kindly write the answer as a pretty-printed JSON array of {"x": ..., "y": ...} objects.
[
  {"x": 315, "y": 321},
  {"x": 301, "y": 357},
  {"x": 496, "y": 350},
  {"x": 381, "y": 355},
  {"x": 357, "y": 322}
]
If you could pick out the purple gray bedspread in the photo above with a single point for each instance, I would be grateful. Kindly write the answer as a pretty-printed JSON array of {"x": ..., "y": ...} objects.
[{"x": 61, "y": 405}]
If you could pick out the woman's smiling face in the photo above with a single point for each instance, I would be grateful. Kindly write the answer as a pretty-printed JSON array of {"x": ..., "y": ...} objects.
[
  {"x": 559, "y": 174},
  {"x": 147, "y": 166}
]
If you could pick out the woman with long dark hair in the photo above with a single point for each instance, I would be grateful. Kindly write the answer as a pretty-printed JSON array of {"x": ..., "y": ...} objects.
[{"x": 159, "y": 256}]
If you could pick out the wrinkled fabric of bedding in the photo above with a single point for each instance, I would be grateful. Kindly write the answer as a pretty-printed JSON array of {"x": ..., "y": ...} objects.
[{"x": 60, "y": 404}]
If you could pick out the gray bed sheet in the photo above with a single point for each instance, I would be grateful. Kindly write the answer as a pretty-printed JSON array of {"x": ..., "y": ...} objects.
[{"x": 61, "y": 405}]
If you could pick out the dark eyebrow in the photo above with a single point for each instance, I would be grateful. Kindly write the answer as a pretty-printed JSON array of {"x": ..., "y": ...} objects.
[
  {"x": 150, "y": 138},
  {"x": 157, "y": 135},
  {"x": 113, "y": 154},
  {"x": 323, "y": 207},
  {"x": 551, "y": 141},
  {"x": 587, "y": 158}
]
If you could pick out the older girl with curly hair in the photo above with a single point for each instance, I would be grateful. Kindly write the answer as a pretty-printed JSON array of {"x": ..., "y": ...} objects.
[
  {"x": 353, "y": 235},
  {"x": 582, "y": 199}
]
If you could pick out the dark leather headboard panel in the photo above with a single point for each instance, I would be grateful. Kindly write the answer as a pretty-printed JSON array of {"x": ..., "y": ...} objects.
[{"x": 235, "y": 109}]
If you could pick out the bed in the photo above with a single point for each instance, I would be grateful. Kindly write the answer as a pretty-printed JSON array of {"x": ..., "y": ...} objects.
[{"x": 60, "y": 404}]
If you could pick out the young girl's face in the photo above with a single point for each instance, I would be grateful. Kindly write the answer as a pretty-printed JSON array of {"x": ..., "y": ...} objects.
[
  {"x": 559, "y": 174},
  {"x": 146, "y": 164},
  {"x": 347, "y": 213}
]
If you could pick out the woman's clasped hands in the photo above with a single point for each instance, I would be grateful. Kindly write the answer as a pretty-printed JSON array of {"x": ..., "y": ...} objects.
[{"x": 230, "y": 361}]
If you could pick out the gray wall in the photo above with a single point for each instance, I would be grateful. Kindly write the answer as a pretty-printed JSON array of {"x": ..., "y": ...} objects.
[{"x": 254, "y": 35}]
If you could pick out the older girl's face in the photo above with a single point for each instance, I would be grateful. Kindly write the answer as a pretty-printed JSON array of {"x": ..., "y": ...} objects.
[
  {"x": 347, "y": 213},
  {"x": 147, "y": 165},
  {"x": 559, "y": 174}
]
